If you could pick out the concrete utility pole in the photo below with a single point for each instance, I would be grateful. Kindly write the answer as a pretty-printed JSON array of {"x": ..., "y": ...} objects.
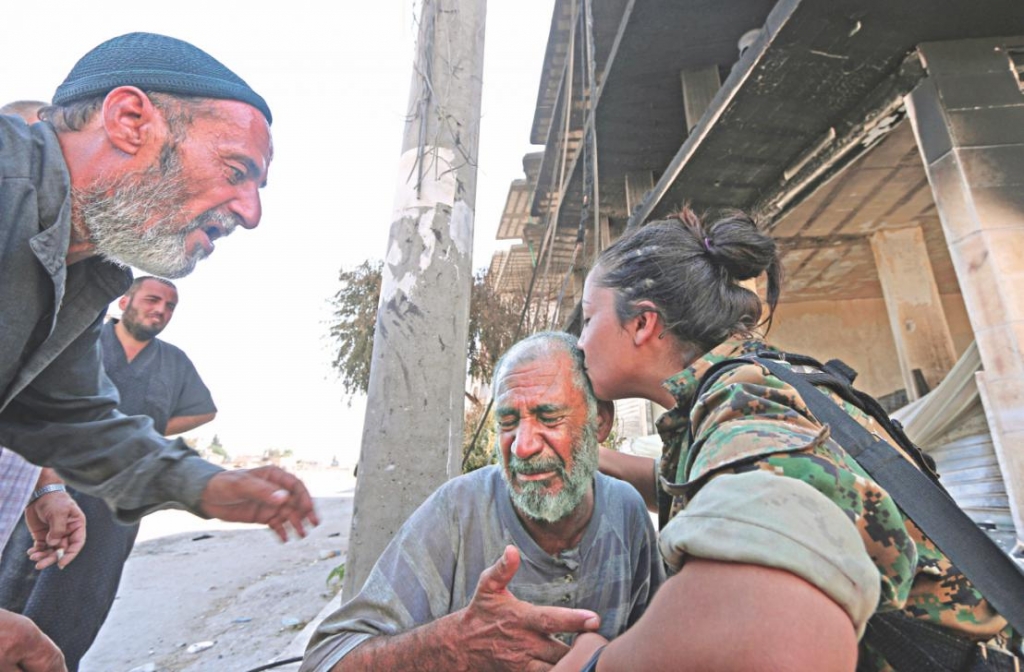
[{"x": 412, "y": 437}]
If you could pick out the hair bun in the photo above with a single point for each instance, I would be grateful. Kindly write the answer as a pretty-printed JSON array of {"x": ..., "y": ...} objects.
[
  {"x": 737, "y": 244},
  {"x": 690, "y": 272}
]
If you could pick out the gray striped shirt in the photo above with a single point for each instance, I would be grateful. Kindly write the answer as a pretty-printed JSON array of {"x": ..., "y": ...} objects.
[{"x": 431, "y": 567}]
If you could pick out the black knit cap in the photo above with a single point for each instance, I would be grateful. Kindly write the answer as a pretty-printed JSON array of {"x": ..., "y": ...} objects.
[{"x": 155, "y": 63}]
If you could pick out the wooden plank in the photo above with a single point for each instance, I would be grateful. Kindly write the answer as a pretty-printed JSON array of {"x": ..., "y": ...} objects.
[
  {"x": 916, "y": 315},
  {"x": 638, "y": 183},
  {"x": 699, "y": 89}
]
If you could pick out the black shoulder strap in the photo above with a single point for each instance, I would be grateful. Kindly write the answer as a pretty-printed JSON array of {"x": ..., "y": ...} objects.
[{"x": 991, "y": 571}]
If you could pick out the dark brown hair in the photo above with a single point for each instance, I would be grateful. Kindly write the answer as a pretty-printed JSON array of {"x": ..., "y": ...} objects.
[
  {"x": 137, "y": 282},
  {"x": 690, "y": 271}
]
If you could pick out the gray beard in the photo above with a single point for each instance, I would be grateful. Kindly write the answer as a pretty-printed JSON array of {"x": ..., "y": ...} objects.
[
  {"x": 114, "y": 214},
  {"x": 531, "y": 498}
]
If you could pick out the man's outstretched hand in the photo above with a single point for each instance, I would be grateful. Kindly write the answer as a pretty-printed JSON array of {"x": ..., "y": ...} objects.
[
  {"x": 268, "y": 495},
  {"x": 501, "y": 632}
]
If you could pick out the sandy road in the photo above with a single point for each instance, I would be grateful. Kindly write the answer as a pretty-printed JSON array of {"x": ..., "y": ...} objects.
[{"x": 240, "y": 588}]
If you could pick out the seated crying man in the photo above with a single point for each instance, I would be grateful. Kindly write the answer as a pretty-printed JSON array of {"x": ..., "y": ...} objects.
[{"x": 501, "y": 567}]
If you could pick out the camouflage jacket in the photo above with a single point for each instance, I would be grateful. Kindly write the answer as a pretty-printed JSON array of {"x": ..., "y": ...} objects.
[{"x": 748, "y": 420}]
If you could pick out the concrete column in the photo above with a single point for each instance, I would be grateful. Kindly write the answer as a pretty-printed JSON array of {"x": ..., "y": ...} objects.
[
  {"x": 579, "y": 276},
  {"x": 923, "y": 341},
  {"x": 968, "y": 116},
  {"x": 638, "y": 183},
  {"x": 605, "y": 238},
  {"x": 412, "y": 436},
  {"x": 699, "y": 88}
]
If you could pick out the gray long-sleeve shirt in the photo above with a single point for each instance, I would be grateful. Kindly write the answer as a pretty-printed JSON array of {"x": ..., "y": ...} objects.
[
  {"x": 432, "y": 566},
  {"x": 57, "y": 406}
]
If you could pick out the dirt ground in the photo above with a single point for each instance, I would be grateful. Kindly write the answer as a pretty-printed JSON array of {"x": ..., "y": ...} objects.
[{"x": 239, "y": 588}]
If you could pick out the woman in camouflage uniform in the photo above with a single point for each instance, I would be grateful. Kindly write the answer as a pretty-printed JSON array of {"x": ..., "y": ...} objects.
[{"x": 783, "y": 545}]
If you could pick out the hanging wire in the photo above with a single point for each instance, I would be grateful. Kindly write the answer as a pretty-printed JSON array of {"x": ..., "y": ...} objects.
[
  {"x": 588, "y": 155},
  {"x": 427, "y": 59},
  {"x": 592, "y": 108},
  {"x": 423, "y": 69},
  {"x": 569, "y": 88},
  {"x": 547, "y": 243}
]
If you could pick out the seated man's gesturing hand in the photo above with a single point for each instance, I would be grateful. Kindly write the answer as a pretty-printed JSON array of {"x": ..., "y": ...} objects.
[
  {"x": 268, "y": 495},
  {"x": 499, "y": 632}
]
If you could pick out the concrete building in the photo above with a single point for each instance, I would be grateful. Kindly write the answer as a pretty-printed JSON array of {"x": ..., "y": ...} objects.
[{"x": 881, "y": 143}]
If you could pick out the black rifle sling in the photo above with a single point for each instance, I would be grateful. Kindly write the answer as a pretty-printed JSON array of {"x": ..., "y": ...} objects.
[{"x": 972, "y": 551}]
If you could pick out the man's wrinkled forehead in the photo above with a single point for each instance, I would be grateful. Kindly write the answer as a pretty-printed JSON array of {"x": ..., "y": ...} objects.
[
  {"x": 539, "y": 387},
  {"x": 533, "y": 375},
  {"x": 534, "y": 367}
]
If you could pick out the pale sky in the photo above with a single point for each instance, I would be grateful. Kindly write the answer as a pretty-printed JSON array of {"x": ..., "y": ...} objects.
[{"x": 336, "y": 76}]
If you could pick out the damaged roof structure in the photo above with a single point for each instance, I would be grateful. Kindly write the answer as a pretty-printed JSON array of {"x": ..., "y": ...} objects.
[{"x": 882, "y": 144}]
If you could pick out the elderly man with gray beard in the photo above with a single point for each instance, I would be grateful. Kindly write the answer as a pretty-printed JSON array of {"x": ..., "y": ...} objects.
[
  {"x": 501, "y": 568},
  {"x": 151, "y": 151}
]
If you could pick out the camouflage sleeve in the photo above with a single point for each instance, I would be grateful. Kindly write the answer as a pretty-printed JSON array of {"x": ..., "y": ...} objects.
[
  {"x": 762, "y": 519},
  {"x": 750, "y": 421}
]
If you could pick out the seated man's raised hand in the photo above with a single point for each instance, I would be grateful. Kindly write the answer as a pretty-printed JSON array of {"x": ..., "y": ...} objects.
[{"x": 500, "y": 632}]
